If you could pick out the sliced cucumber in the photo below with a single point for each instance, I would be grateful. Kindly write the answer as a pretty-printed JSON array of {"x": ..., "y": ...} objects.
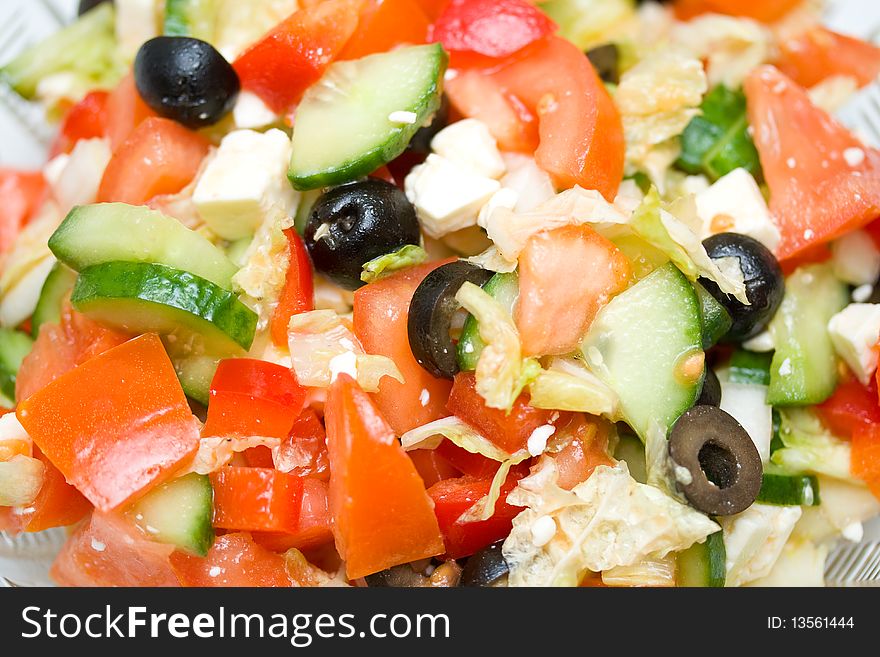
[
  {"x": 804, "y": 367},
  {"x": 195, "y": 372},
  {"x": 750, "y": 367},
  {"x": 143, "y": 298},
  {"x": 504, "y": 288},
  {"x": 107, "y": 232},
  {"x": 345, "y": 125},
  {"x": 306, "y": 201},
  {"x": 789, "y": 490},
  {"x": 193, "y": 18},
  {"x": 716, "y": 320},
  {"x": 776, "y": 440},
  {"x": 14, "y": 346},
  {"x": 86, "y": 48},
  {"x": 178, "y": 513},
  {"x": 646, "y": 345},
  {"x": 58, "y": 285},
  {"x": 703, "y": 564}
]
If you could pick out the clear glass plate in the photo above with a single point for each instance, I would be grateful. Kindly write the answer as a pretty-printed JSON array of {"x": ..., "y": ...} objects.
[{"x": 24, "y": 138}]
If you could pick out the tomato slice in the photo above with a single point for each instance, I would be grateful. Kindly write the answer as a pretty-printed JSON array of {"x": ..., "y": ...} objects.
[
  {"x": 851, "y": 406},
  {"x": 431, "y": 466},
  {"x": 58, "y": 504},
  {"x": 304, "y": 451},
  {"x": 766, "y": 11},
  {"x": 823, "y": 181},
  {"x": 22, "y": 193},
  {"x": 159, "y": 157},
  {"x": 116, "y": 425},
  {"x": 252, "y": 397},
  {"x": 234, "y": 560},
  {"x": 818, "y": 53},
  {"x": 382, "y": 515},
  {"x": 567, "y": 274},
  {"x": 292, "y": 56},
  {"x": 314, "y": 527},
  {"x": 475, "y": 465},
  {"x": 125, "y": 110},
  {"x": 385, "y": 24},
  {"x": 381, "y": 311},
  {"x": 109, "y": 551},
  {"x": 509, "y": 431},
  {"x": 298, "y": 294},
  {"x": 85, "y": 120},
  {"x": 584, "y": 447},
  {"x": 256, "y": 499}
]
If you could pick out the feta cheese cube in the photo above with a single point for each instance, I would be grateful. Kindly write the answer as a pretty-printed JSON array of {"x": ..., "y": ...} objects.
[
  {"x": 762, "y": 343},
  {"x": 503, "y": 198},
  {"x": 247, "y": 177},
  {"x": 136, "y": 21},
  {"x": 469, "y": 144},
  {"x": 531, "y": 183},
  {"x": 856, "y": 259},
  {"x": 735, "y": 204},
  {"x": 747, "y": 404},
  {"x": 251, "y": 112},
  {"x": 854, "y": 333},
  {"x": 754, "y": 540},
  {"x": 447, "y": 197}
]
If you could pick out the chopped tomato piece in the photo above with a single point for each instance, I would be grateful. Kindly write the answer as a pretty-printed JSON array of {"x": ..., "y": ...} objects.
[
  {"x": 851, "y": 406},
  {"x": 865, "y": 456},
  {"x": 159, "y": 157},
  {"x": 314, "y": 527},
  {"x": 582, "y": 446},
  {"x": 567, "y": 274},
  {"x": 385, "y": 24},
  {"x": 382, "y": 515},
  {"x": 766, "y": 11},
  {"x": 475, "y": 465},
  {"x": 509, "y": 431},
  {"x": 252, "y": 397},
  {"x": 381, "y": 311},
  {"x": 126, "y": 110},
  {"x": 298, "y": 294},
  {"x": 431, "y": 466},
  {"x": 452, "y": 497},
  {"x": 823, "y": 181},
  {"x": 818, "y": 53},
  {"x": 22, "y": 193},
  {"x": 304, "y": 451},
  {"x": 256, "y": 499},
  {"x": 109, "y": 551},
  {"x": 116, "y": 425},
  {"x": 58, "y": 504},
  {"x": 85, "y": 120},
  {"x": 293, "y": 55},
  {"x": 234, "y": 560},
  {"x": 432, "y": 8}
]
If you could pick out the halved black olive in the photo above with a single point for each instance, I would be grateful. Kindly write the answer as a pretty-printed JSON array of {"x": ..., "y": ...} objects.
[
  {"x": 430, "y": 315},
  {"x": 723, "y": 462},
  {"x": 485, "y": 567},
  {"x": 186, "y": 80},
  {"x": 711, "y": 392},
  {"x": 763, "y": 278},
  {"x": 606, "y": 60},
  {"x": 352, "y": 224},
  {"x": 86, "y": 5},
  {"x": 421, "y": 141}
]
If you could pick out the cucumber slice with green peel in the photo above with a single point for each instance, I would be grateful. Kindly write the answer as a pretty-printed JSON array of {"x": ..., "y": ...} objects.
[
  {"x": 178, "y": 513},
  {"x": 149, "y": 298},
  {"x": 776, "y": 424},
  {"x": 86, "y": 48},
  {"x": 789, "y": 490},
  {"x": 192, "y": 18},
  {"x": 703, "y": 564},
  {"x": 504, "y": 288},
  {"x": 716, "y": 319},
  {"x": 363, "y": 113},
  {"x": 750, "y": 367},
  {"x": 646, "y": 345},
  {"x": 306, "y": 201},
  {"x": 58, "y": 285},
  {"x": 109, "y": 232},
  {"x": 195, "y": 373},
  {"x": 804, "y": 366},
  {"x": 14, "y": 346}
]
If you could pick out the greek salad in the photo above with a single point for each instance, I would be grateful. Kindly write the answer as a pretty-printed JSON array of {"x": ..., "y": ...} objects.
[{"x": 442, "y": 293}]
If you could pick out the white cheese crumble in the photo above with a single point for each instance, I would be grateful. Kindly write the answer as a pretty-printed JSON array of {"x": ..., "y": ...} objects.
[
  {"x": 344, "y": 363},
  {"x": 854, "y": 532},
  {"x": 543, "y": 530},
  {"x": 861, "y": 294},
  {"x": 537, "y": 442},
  {"x": 854, "y": 156},
  {"x": 424, "y": 397},
  {"x": 406, "y": 118}
]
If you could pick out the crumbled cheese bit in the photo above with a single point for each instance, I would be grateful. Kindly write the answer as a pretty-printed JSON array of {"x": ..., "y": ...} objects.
[
  {"x": 97, "y": 545},
  {"x": 424, "y": 397},
  {"x": 853, "y": 532},
  {"x": 344, "y": 363},
  {"x": 862, "y": 293},
  {"x": 785, "y": 367},
  {"x": 543, "y": 530},
  {"x": 763, "y": 342},
  {"x": 407, "y": 118},
  {"x": 537, "y": 442},
  {"x": 215, "y": 571},
  {"x": 321, "y": 232},
  {"x": 683, "y": 475},
  {"x": 854, "y": 156}
]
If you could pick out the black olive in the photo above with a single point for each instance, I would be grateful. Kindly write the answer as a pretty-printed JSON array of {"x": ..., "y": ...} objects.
[
  {"x": 355, "y": 223},
  {"x": 86, "y": 5},
  {"x": 485, "y": 567},
  {"x": 421, "y": 141},
  {"x": 606, "y": 60},
  {"x": 430, "y": 315},
  {"x": 723, "y": 462},
  {"x": 763, "y": 279},
  {"x": 710, "y": 395},
  {"x": 186, "y": 80}
]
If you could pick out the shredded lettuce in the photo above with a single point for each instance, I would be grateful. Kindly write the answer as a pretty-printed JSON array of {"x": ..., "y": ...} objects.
[
  {"x": 810, "y": 447},
  {"x": 407, "y": 256},
  {"x": 429, "y": 436},
  {"x": 216, "y": 451},
  {"x": 484, "y": 508},
  {"x": 651, "y": 571},
  {"x": 567, "y": 385}
]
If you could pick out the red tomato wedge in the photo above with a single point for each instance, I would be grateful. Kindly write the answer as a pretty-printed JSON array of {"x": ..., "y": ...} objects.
[
  {"x": 566, "y": 274},
  {"x": 294, "y": 54},
  {"x": 865, "y": 456},
  {"x": 818, "y": 53},
  {"x": 58, "y": 504},
  {"x": 382, "y": 515},
  {"x": 85, "y": 120},
  {"x": 823, "y": 181},
  {"x": 304, "y": 451},
  {"x": 851, "y": 406},
  {"x": 256, "y": 499},
  {"x": 584, "y": 447},
  {"x": 116, "y": 425},
  {"x": 251, "y": 397},
  {"x": 475, "y": 465},
  {"x": 314, "y": 527},
  {"x": 490, "y": 28},
  {"x": 381, "y": 310},
  {"x": 125, "y": 111},
  {"x": 234, "y": 560},
  {"x": 22, "y": 193},
  {"x": 452, "y": 497},
  {"x": 385, "y": 24},
  {"x": 109, "y": 551},
  {"x": 766, "y": 11},
  {"x": 298, "y": 294},
  {"x": 431, "y": 466},
  {"x": 509, "y": 431}
]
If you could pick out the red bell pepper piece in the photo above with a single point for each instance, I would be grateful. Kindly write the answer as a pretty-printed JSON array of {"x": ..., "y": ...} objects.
[
  {"x": 85, "y": 120},
  {"x": 385, "y": 24},
  {"x": 256, "y": 499},
  {"x": 475, "y": 465},
  {"x": 116, "y": 425},
  {"x": 851, "y": 406},
  {"x": 865, "y": 456},
  {"x": 22, "y": 193},
  {"x": 234, "y": 560},
  {"x": 298, "y": 294},
  {"x": 314, "y": 527},
  {"x": 252, "y": 397},
  {"x": 431, "y": 466}
]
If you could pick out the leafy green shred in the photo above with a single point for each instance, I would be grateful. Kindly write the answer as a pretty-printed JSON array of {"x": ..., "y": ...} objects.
[
  {"x": 407, "y": 256},
  {"x": 717, "y": 142}
]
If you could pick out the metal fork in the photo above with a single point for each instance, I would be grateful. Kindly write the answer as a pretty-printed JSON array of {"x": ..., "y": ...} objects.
[{"x": 862, "y": 114}]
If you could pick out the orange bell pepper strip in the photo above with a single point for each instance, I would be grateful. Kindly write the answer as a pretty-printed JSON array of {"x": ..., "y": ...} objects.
[
  {"x": 256, "y": 499},
  {"x": 115, "y": 426}
]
